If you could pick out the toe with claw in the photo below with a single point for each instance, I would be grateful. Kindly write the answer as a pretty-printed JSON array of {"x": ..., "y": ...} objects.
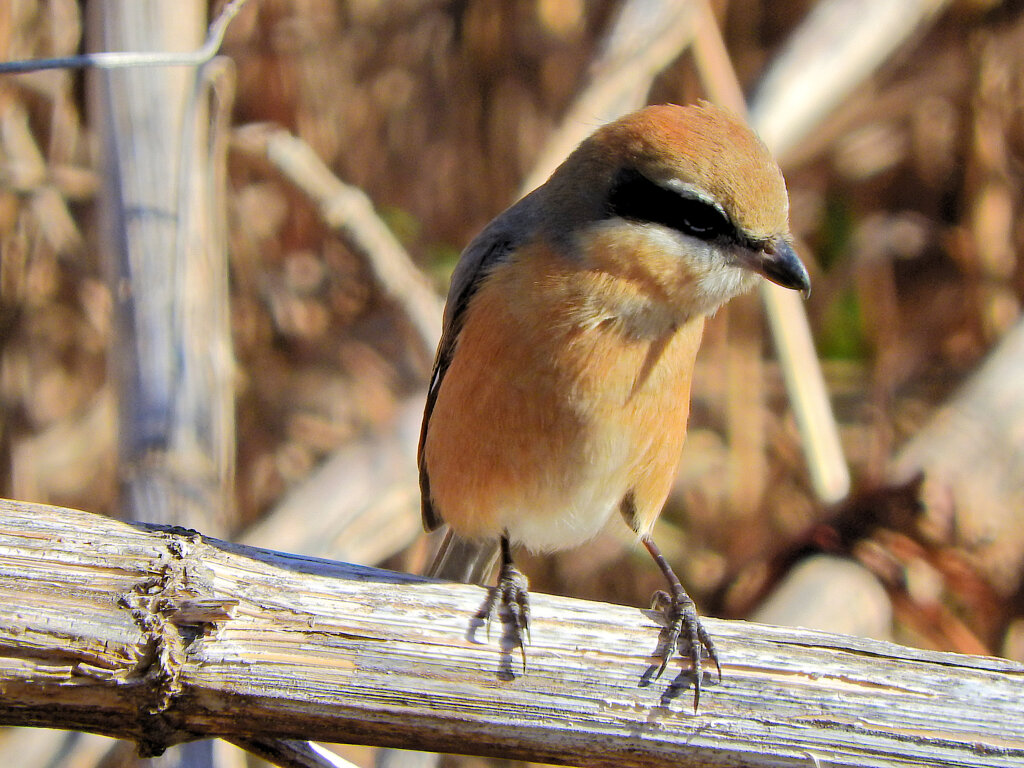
[{"x": 682, "y": 620}]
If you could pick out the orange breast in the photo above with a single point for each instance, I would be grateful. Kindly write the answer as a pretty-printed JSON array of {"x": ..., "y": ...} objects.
[{"x": 550, "y": 412}]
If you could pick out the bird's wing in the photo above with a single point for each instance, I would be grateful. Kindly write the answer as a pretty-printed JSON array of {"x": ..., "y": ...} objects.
[{"x": 492, "y": 246}]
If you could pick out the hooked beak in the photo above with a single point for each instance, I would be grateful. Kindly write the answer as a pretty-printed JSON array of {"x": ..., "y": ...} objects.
[{"x": 779, "y": 263}]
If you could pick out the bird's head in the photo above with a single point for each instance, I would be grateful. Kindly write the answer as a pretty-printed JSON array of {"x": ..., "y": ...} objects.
[{"x": 685, "y": 198}]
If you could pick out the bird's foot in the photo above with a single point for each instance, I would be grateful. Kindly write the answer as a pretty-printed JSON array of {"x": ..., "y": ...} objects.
[
  {"x": 681, "y": 614},
  {"x": 513, "y": 595}
]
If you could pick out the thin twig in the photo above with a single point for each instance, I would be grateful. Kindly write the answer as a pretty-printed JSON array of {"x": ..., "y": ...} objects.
[
  {"x": 805, "y": 381},
  {"x": 289, "y": 753},
  {"x": 348, "y": 210},
  {"x": 127, "y": 59}
]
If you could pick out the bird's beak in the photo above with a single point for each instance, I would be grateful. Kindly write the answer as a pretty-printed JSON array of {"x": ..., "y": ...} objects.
[{"x": 779, "y": 263}]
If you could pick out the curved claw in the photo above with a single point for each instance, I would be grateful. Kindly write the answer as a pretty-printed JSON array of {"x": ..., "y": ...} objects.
[
  {"x": 681, "y": 613},
  {"x": 514, "y": 595}
]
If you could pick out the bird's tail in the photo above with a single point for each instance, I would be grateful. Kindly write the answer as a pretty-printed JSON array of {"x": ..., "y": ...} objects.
[{"x": 457, "y": 559}]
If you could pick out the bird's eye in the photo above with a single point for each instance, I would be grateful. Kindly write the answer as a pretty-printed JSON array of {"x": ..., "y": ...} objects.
[
  {"x": 700, "y": 219},
  {"x": 635, "y": 197}
]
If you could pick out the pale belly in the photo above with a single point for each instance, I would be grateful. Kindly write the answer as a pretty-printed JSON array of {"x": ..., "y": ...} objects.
[{"x": 569, "y": 502}]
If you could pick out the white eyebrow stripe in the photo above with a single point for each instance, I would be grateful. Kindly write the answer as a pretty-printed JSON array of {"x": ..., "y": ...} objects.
[{"x": 694, "y": 192}]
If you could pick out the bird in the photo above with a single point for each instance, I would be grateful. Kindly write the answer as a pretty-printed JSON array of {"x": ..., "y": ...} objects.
[{"x": 560, "y": 389}]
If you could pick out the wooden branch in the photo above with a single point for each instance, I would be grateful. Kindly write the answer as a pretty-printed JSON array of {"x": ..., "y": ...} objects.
[
  {"x": 971, "y": 452},
  {"x": 161, "y": 635},
  {"x": 791, "y": 332},
  {"x": 837, "y": 47},
  {"x": 349, "y": 211},
  {"x": 173, "y": 368}
]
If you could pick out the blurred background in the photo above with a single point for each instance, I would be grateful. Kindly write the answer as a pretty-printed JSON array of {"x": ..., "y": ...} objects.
[{"x": 906, "y": 200}]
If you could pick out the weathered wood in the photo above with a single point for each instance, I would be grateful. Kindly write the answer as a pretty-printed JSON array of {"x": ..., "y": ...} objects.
[
  {"x": 161, "y": 635},
  {"x": 163, "y": 202},
  {"x": 971, "y": 452}
]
